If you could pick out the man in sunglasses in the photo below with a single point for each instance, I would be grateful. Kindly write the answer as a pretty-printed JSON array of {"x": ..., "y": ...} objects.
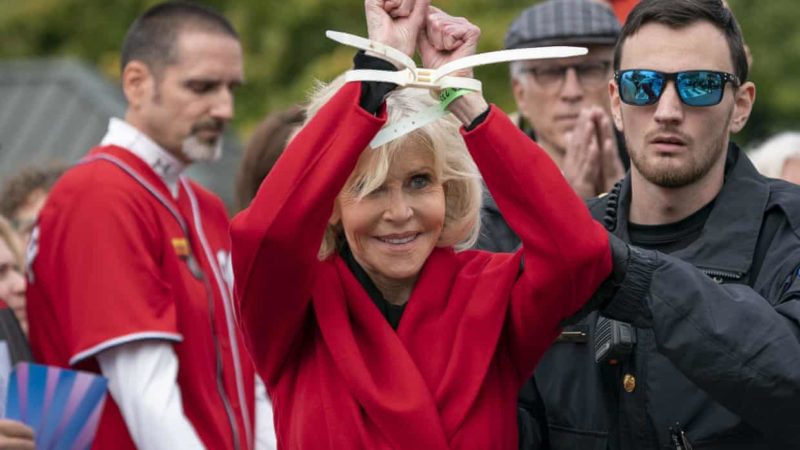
[
  {"x": 563, "y": 103},
  {"x": 704, "y": 350}
]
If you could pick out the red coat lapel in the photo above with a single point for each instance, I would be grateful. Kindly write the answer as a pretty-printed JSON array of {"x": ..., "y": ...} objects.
[
  {"x": 453, "y": 323},
  {"x": 428, "y": 374},
  {"x": 374, "y": 363}
]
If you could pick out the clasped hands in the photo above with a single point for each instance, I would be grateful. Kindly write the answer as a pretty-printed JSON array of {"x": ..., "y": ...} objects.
[
  {"x": 591, "y": 164},
  {"x": 412, "y": 26},
  {"x": 591, "y": 161}
]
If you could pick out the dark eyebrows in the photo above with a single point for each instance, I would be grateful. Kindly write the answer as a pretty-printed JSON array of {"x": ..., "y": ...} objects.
[{"x": 209, "y": 84}]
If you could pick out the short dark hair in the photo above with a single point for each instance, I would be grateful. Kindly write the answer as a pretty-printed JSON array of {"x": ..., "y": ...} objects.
[
  {"x": 18, "y": 189},
  {"x": 152, "y": 36},
  {"x": 678, "y": 14}
]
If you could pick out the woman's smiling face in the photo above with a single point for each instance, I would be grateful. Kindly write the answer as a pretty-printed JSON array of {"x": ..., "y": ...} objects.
[{"x": 393, "y": 229}]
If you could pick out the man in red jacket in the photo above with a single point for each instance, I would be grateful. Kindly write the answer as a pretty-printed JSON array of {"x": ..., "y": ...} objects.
[{"x": 130, "y": 259}]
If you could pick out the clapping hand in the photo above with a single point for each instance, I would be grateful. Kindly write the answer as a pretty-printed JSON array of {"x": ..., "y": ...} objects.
[{"x": 591, "y": 163}]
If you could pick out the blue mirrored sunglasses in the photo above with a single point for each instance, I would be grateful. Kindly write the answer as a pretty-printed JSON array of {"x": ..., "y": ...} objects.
[{"x": 695, "y": 87}]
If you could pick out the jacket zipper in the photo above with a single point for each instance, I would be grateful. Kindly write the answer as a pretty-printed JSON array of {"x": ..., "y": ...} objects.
[
  {"x": 720, "y": 276},
  {"x": 678, "y": 438}
]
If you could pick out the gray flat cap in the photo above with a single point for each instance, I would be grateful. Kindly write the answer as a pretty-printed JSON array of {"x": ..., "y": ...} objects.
[{"x": 563, "y": 22}]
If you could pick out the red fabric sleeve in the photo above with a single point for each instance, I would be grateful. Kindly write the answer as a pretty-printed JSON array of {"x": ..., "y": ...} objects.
[
  {"x": 102, "y": 257},
  {"x": 565, "y": 253},
  {"x": 276, "y": 239}
]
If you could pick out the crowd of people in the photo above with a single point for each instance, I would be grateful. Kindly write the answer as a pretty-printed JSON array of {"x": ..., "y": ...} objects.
[{"x": 602, "y": 269}]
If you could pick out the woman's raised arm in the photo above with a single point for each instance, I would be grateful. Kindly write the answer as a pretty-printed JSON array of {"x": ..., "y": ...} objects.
[
  {"x": 277, "y": 238},
  {"x": 565, "y": 254}
]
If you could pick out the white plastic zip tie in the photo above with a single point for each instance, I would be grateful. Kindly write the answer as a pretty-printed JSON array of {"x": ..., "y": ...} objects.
[
  {"x": 433, "y": 79},
  {"x": 392, "y": 131}
]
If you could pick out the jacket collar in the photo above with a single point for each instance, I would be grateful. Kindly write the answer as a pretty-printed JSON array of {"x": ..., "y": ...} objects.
[
  {"x": 729, "y": 236},
  {"x": 122, "y": 134}
]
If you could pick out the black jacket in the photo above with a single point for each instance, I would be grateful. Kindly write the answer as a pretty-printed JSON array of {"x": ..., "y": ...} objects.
[
  {"x": 495, "y": 235},
  {"x": 718, "y": 337}
]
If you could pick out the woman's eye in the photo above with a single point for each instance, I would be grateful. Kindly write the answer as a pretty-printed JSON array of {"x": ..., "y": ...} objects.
[{"x": 420, "y": 181}]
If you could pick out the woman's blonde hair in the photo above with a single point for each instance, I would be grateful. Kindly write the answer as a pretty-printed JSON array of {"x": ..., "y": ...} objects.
[{"x": 453, "y": 164}]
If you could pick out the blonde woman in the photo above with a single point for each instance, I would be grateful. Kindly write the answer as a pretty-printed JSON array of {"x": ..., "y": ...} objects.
[{"x": 370, "y": 325}]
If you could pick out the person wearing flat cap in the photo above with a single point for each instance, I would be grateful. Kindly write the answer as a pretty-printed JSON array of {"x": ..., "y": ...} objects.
[{"x": 563, "y": 103}]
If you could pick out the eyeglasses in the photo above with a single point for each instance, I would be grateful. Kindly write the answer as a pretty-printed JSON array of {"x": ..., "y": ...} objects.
[
  {"x": 695, "y": 87},
  {"x": 591, "y": 74}
]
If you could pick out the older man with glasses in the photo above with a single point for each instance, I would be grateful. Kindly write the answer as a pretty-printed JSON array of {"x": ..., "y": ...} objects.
[{"x": 563, "y": 103}]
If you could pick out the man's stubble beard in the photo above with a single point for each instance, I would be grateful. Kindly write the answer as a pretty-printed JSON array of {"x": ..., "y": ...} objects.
[
  {"x": 197, "y": 150},
  {"x": 698, "y": 165},
  {"x": 193, "y": 148}
]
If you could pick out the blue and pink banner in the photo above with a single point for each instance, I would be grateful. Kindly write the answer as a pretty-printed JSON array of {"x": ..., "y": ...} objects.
[{"x": 62, "y": 406}]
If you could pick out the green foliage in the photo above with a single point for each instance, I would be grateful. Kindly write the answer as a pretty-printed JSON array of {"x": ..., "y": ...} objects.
[
  {"x": 286, "y": 50},
  {"x": 771, "y": 31}
]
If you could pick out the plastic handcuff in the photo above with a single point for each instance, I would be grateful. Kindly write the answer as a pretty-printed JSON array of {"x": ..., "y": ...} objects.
[{"x": 433, "y": 79}]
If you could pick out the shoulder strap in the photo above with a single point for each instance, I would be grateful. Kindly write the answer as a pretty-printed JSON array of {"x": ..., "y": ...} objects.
[{"x": 131, "y": 172}]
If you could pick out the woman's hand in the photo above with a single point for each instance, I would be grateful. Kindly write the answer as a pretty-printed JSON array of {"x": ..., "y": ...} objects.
[
  {"x": 396, "y": 23},
  {"x": 445, "y": 38},
  {"x": 15, "y": 436}
]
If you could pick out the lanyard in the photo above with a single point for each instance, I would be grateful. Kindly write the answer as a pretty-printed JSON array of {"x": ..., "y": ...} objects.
[
  {"x": 191, "y": 261},
  {"x": 194, "y": 267}
]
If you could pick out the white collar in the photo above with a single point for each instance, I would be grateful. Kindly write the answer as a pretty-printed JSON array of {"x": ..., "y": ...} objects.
[{"x": 125, "y": 135}]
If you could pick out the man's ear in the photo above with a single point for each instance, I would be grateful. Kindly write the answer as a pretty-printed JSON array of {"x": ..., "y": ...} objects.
[
  {"x": 137, "y": 83},
  {"x": 518, "y": 89},
  {"x": 616, "y": 107},
  {"x": 744, "y": 98}
]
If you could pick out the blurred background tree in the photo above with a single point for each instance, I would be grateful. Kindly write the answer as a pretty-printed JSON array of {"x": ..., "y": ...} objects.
[{"x": 286, "y": 50}]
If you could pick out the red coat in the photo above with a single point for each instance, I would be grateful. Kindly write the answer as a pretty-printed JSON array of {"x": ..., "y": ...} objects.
[
  {"x": 109, "y": 270},
  {"x": 473, "y": 328}
]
